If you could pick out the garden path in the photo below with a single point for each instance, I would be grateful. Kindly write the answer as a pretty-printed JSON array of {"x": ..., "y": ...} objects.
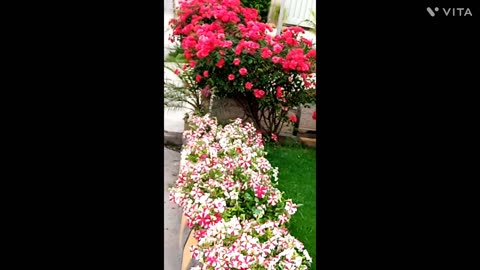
[{"x": 172, "y": 213}]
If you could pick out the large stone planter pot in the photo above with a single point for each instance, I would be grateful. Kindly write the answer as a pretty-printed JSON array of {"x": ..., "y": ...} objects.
[
  {"x": 186, "y": 126},
  {"x": 226, "y": 109},
  {"x": 306, "y": 122}
]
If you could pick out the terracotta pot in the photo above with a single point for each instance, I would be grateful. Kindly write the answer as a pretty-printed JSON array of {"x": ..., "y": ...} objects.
[
  {"x": 183, "y": 225},
  {"x": 187, "y": 255}
]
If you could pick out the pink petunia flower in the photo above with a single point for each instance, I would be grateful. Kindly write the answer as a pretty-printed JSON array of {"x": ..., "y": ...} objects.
[
  {"x": 204, "y": 219},
  {"x": 260, "y": 191},
  {"x": 274, "y": 137}
]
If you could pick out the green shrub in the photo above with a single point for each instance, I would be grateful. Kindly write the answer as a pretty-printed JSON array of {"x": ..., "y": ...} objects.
[
  {"x": 266, "y": 76},
  {"x": 176, "y": 55}
]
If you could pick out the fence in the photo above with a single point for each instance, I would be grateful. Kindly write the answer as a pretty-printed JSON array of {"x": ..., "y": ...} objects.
[{"x": 295, "y": 11}]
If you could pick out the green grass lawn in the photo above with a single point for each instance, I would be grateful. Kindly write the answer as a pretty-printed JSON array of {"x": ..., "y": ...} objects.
[{"x": 297, "y": 178}]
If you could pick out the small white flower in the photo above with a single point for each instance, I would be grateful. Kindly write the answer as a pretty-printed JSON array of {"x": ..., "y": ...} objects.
[
  {"x": 204, "y": 198},
  {"x": 307, "y": 256},
  {"x": 298, "y": 261},
  {"x": 234, "y": 195},
  {"x": 290, "y": 207}
]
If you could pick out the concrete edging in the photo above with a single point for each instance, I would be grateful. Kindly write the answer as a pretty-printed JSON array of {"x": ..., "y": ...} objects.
[
  {"x": 170, "y": 137},
  {"x": 186, "y": 238}
]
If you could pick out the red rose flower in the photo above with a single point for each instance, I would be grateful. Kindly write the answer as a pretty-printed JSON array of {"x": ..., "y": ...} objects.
[
  {"x": 312, "y": 54},
  {"x": 248, "y": 85},
  {"x": 276, "y": 60},
  {"x": 205, "y": 73},
  {"x": 314, "y": 115},
  {"x": 227, "y": 44},
  {"x": 306, "y": 41},
  {"x": 206, "y": 92},
  {"x": 258, "y": 93},
  {"x": 231, "y": 77},
  {"x": 198, "y": 78},
  {"x": 279, "y": 92},
  {"x": 243, "y": 71},
  {"x": 277, "y": 48},
  {"x": 293, "y": 118},
  {"x": 266, "y": 52},
  {"x": 236, "y": 61},
  {"x": 220, "y": 63}
]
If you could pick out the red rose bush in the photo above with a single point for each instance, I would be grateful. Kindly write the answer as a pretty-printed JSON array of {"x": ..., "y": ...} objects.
[{"x": 265, "y": 74}]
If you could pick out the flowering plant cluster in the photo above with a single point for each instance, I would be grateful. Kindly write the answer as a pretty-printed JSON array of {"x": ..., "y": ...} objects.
[
  {"x": 227, "y": 190},
  {"x": 237, "y": 56},
  {"x": 248, "y": 244}
]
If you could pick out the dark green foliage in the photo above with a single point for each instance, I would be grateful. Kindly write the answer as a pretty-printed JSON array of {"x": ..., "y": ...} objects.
[{"x": 261, "y": 5}]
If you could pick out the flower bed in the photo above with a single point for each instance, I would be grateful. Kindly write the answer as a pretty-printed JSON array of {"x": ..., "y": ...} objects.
[{"x": 227, "y": 189}]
